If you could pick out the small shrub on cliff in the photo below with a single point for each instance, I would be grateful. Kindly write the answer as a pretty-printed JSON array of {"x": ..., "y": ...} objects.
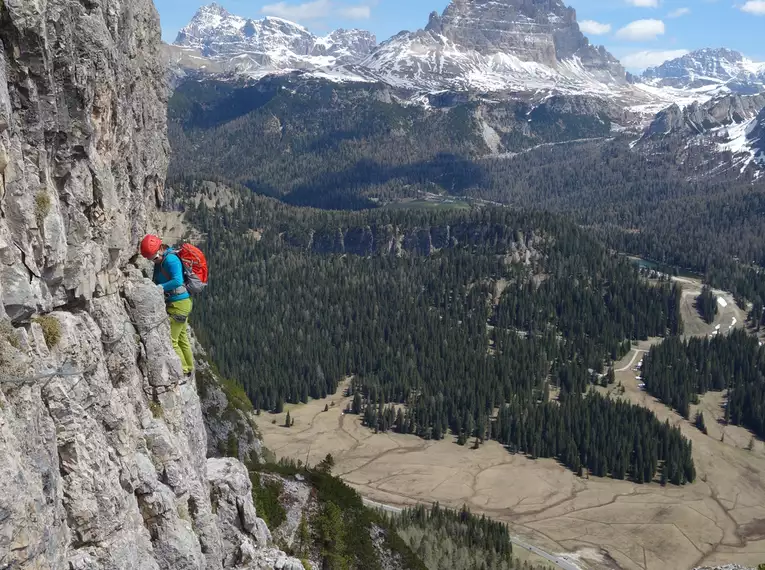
[
  {"x": 42, "y": 207},
  {"x": 265, "y": 495},
  {"x": 51, "y": 329},
  {"x": 10, "y": 363},
  {"x": 6, "y": 330},
  {"x": 156, "y": 409}
]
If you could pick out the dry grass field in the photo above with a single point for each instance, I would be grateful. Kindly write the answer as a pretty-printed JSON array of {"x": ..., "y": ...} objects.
[{"x": 600, "y": 523}]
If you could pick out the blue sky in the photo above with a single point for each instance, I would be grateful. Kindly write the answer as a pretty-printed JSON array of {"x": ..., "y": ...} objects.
[{"x": 639, "y": 32}]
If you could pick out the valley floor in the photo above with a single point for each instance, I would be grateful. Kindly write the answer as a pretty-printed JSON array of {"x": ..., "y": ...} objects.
[{"x": 597, "y": 523}]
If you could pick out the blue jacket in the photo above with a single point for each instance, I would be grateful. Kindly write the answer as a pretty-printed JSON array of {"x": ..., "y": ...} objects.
[{"x": 169, "y": 274}]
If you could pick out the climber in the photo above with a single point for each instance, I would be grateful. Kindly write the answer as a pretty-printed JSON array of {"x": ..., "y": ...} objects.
[{"x": 168, "y": 274}]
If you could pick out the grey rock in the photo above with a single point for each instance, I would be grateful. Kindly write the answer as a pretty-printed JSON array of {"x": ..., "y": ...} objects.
[
  {"x": 84, "y": 148},
  {"x": 298, "y": 501},
  {"x": 288, "y": 563},
  {"x": 757, "y": 138},
  {"x": 146, "y": 304},
  {"x": 699, "y": 118},
  {"x": 102, "y": 439},
  {"x": 725, "y": 567},
  {"x": 231, "y": 497},
  {"x": 544, "y": 31},
  {"x": 477, "y": 37}
]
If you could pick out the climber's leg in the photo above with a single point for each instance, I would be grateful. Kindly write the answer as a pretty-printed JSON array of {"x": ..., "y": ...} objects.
[{"x": 179, "y": 312}]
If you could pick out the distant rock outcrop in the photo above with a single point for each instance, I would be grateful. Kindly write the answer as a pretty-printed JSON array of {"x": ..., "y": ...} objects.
[
  {"x": 495, "y": 45},
  {"x": 543, "y": 31},
  {"x": 708, "y": 68}
]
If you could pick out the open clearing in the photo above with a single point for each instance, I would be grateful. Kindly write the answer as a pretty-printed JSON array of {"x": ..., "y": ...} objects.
[
  {"x": 692, "y": 322},
  {"x": 600, "y": 523}
]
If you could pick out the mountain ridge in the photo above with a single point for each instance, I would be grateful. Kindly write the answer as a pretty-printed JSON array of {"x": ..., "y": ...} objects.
[
  {"x": 514, "y": 48},
  {"x": 455, "y": 50},
  {"x": 709, "y": 68},
  {"x": 476, "y": 50},
  {"x": 269, "y": 44}
]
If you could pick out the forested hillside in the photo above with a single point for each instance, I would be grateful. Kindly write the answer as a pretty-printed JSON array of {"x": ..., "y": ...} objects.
[
  {"x": 678, "y": 371},
  {"x": 310, "y": 142},
  {"x": 342, "y": 146},
  {"x": 460, "y": 540},
  {"x": 453, "y": 313}
]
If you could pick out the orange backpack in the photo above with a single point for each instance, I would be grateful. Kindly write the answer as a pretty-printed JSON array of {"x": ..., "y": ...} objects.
[{"x": 194, "y": 268}]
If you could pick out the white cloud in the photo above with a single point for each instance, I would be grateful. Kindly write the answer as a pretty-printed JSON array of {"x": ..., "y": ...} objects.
[
  {"x": 594, "y": 28},
  {"x": 308, "y": 11},
  {"x": 641, "y": 30},
  {"x": 679, "y": 12},
  {"x": 644, "y": 3},
  {"x": 317, "y": 10},
  {"x": 359, "y": 12},
  {"x": 643, "y": 59},
  {"x": 756, "y": 7}
]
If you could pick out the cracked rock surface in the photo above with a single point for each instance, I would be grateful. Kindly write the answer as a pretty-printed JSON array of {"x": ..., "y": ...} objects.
[{"x": 103, "y": 443}]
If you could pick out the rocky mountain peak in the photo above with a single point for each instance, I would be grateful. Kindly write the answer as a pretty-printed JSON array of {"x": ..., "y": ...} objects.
[
  {"x": 269, "y": 44},
  {"x": 519, "y": 45},
  {"x": 543, "y": 31},
  {"x": 709, "y": 67},
  {"x": 213, "y": 8}
]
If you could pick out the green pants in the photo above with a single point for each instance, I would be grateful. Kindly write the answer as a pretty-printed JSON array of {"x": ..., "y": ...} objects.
[{"x": 179, "y": 312}]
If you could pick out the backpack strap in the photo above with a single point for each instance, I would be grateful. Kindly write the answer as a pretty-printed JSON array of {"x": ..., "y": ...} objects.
[{"x": 178, "y": 290}]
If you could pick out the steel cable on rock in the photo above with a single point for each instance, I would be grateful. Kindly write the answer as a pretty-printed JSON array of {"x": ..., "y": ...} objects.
[
  {"x": 125, "y": 331},
  {"x": 65, "y": 370}
]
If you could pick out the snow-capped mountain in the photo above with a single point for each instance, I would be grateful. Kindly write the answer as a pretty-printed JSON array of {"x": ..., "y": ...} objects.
[
  {"x": 270, "y": 44},
  {"x": 712, "y": 70},
  {"x": 530, "y": 50},
  {"x": 732, "y": 124},
  {"x": 487, "y": 45},
  {"x": 496, "y": 45}
]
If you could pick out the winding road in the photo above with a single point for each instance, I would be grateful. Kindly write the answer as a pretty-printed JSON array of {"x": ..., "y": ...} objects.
[
  {"x": 634, "y": 356},
  {"x": 559, "y": 561}
]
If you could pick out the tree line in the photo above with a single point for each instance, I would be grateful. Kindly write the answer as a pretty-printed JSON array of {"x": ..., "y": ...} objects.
[
  {"x": 678, "y": 371},
  {"x": 410, "y": 303},
  {"x": 456, "y": 539},
  {"x": 314, "y": 143}
]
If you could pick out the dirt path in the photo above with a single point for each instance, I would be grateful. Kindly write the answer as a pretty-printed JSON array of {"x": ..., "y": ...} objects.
[
  {"x": 635, "y": 352},
  {"x": 728, "y": 316}
]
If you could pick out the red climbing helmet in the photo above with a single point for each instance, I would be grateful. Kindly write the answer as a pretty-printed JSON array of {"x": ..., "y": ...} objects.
[{"x": 150, "y": 246}]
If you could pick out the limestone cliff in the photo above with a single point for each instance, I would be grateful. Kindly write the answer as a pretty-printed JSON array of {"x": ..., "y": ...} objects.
[{"x": 103, "y": 445}]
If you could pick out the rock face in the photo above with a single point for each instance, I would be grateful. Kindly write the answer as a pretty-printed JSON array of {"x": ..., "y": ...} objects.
[
  {"x": 730, "y": 128},
  {"x": 260, "y": 46},
  {"x": 725, "y": 567},
  {"x": 757, "y": 138},
  {"x": 543, "y": 31},
  {"x": 229, "y": 417},
  {"x": 499, "y": 45},
  {"x": 102, "y": 439},
  {"x": 83, "y": 146},
  {"x": 701, "y": 118}
]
